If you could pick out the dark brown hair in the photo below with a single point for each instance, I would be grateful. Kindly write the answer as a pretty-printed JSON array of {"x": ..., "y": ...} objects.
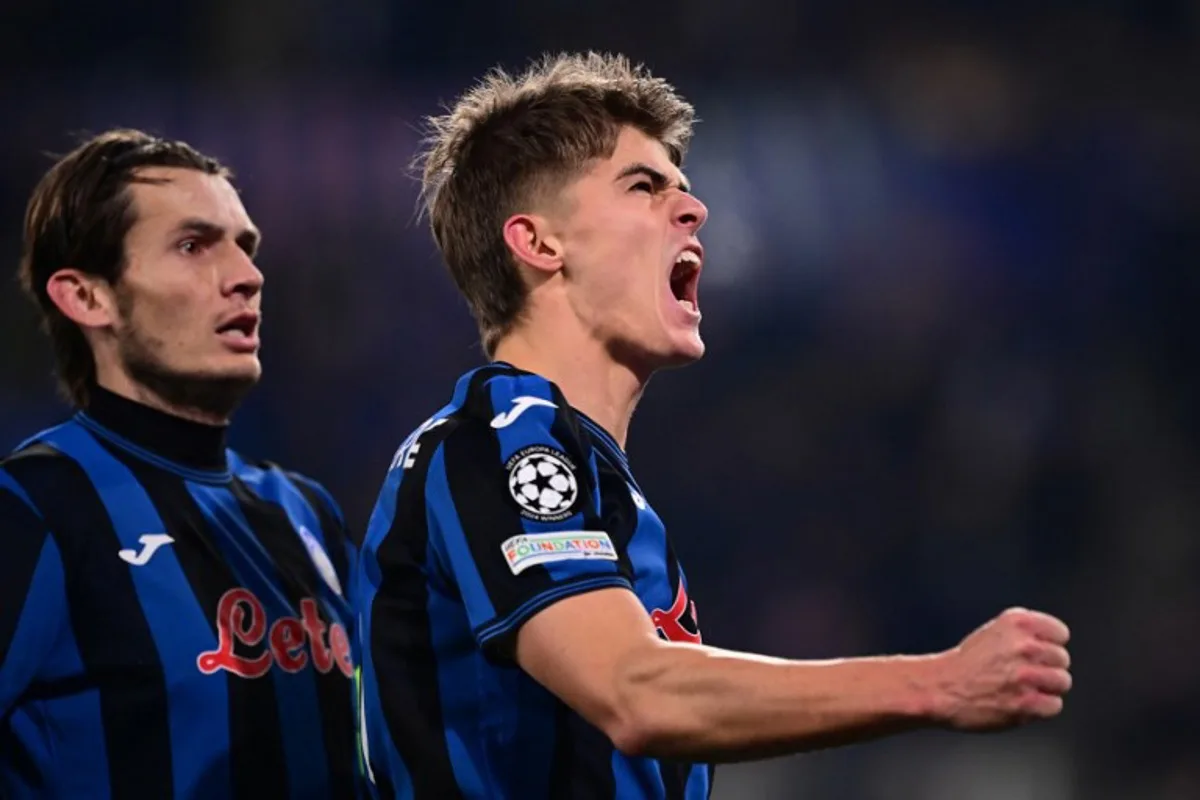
[
  {"x": 78, "y": 217},
  {"x": 509, "y": 140}
]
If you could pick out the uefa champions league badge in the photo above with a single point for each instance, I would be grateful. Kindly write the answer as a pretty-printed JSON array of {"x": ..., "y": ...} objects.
[
  {"x": 320, "y": 559},
  {"x": 542, "y": 482}
]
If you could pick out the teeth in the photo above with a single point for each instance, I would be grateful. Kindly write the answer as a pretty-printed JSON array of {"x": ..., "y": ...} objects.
[
  {"x": 688, "y": 257},
  {"x": 689, "y": 305}
]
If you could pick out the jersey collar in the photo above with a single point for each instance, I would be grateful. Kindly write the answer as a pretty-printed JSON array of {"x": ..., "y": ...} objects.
[{"x": 190, "y": 444}]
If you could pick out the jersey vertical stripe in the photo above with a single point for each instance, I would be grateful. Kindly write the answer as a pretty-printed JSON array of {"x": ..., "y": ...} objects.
[
  {"x": 647, "y": 544},
  {"x": 136, "y": 698},
  {"x": 401, "y": 656},
  {"x": 299, "y": 723},
  {"x": 27, "y": 637},
  {"x": 328, "y": 520},
  {"x": 331, "y": 712},
  {"x": 455, "y": 676},
  {"x": 293, "y": 521},
  {"x": 192, "y": 736},
  {"x": 479, "y": 514},
  {"x": 33, "y": 555},
  {"x": 582, "y": 768},
  {"x": 502, "y": 504},
  {"x": 209, "y": 575},
  {"x": 137, "y": 753}
]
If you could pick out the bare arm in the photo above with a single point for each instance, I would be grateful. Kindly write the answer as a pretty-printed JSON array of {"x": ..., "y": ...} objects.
[{"x": 599, "y": 653}]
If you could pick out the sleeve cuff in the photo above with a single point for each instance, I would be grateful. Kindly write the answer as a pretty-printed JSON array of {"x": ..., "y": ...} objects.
[{"x": 497, "y": 637}]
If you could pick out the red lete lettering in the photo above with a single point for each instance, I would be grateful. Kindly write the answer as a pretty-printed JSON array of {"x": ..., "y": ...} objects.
[{"x": 241, "y": 619}]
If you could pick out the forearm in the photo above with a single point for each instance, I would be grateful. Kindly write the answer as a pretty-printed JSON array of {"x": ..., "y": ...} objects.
[{"x": 702, "y": 703}]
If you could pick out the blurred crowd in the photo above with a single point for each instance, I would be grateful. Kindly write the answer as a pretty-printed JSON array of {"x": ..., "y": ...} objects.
[{"x": 952, "y": 256}]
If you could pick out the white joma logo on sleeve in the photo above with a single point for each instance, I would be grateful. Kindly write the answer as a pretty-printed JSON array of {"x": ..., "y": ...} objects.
[{"x": 520, "y": 406}]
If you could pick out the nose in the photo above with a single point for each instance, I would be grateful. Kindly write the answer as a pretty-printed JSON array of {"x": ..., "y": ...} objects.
[
  {"x": 242, "y": 276},
  {"x": 690, "y": 213}
]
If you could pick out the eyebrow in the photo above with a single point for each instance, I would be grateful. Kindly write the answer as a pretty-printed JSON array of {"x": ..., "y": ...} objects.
[
  {"x": 657, "y": 178},
  {"x": 248, "y": 240}
]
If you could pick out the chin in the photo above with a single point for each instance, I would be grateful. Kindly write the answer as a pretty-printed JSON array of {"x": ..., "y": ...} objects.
[
  {"x": 238, "y": 368},
  {"x": 677, "y": 341},
  {"x": 251, "y": 371},
  {"x": 214, "y": 383},
  {"x": 669, "y": 352},
  {"x": 686, "y": 352}
]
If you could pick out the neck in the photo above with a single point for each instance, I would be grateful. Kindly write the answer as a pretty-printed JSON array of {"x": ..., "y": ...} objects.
[
  {"x": 584, "y": 370},
  {"x": 119, "y": 383}
]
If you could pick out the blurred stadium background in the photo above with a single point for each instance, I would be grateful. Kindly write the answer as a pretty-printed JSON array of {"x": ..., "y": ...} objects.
[{"x": 953, "y": 253}]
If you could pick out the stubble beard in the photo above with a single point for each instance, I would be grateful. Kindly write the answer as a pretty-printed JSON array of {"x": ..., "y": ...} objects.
[{"x": 212, "y": 395}]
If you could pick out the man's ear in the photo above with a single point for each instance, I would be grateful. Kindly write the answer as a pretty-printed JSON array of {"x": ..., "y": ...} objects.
[
  {"x": 84, "y": 299},
  {"x": 531, "y": 242}
]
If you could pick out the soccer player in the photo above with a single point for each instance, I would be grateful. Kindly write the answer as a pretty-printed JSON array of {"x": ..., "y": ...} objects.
[
  {"x": 172, "y": 618},
  {"x": 527, "y": 630}
]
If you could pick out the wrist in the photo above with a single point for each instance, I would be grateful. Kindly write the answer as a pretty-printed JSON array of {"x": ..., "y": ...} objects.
[{"x": 933, "y": 702}]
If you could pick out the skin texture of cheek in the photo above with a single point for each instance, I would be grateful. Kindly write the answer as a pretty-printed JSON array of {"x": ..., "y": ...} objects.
[
  {"x": 176, "y": 320},
  {"x": 625, "y": 270},
  {"x": 166, "y": 325},
  {"x": 613, "y": 304}
]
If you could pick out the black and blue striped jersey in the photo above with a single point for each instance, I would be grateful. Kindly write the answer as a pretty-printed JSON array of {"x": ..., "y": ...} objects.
[
  {"x": 173, "y": 621},
  {"x": 504, "y": 502}
]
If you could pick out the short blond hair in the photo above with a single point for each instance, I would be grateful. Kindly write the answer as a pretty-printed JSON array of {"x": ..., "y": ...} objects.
[{"x": 509, "y": 139}]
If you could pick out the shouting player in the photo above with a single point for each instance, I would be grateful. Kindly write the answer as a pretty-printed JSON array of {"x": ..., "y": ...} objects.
[
  {"x": 527, "y": 630},
  {"x": 172, "y": 619}
]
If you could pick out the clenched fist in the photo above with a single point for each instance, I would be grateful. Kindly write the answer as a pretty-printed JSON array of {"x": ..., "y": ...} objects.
[{"x": 1012, "y": 670}]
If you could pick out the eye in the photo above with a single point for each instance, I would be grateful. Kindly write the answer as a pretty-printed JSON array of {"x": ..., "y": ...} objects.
[
  {"x": 190, "y": 247},
  {"x": 643, "y": 186}
]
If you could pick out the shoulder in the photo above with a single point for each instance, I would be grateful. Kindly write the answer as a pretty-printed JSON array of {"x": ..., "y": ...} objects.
[
  {"x": 24, "y": 530},
  {"x": 36, "y": 472},
  {"x": 18, "y": 510},
  {"x": 519, "y": 442},
  {"x": 274, "y": 478},
  {"x": 316, "y": 493},
  {"x": 499, "y": 395},
  {"x": 494, "y": 408},
  {"x": 35, "y": 480},
  {"x": 514, "y": 407}
]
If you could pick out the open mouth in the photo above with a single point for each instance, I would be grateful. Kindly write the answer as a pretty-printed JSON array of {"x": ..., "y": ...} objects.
[
  {"x": 243, "y": 326},
  {"x": 685, "y": 280}
]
